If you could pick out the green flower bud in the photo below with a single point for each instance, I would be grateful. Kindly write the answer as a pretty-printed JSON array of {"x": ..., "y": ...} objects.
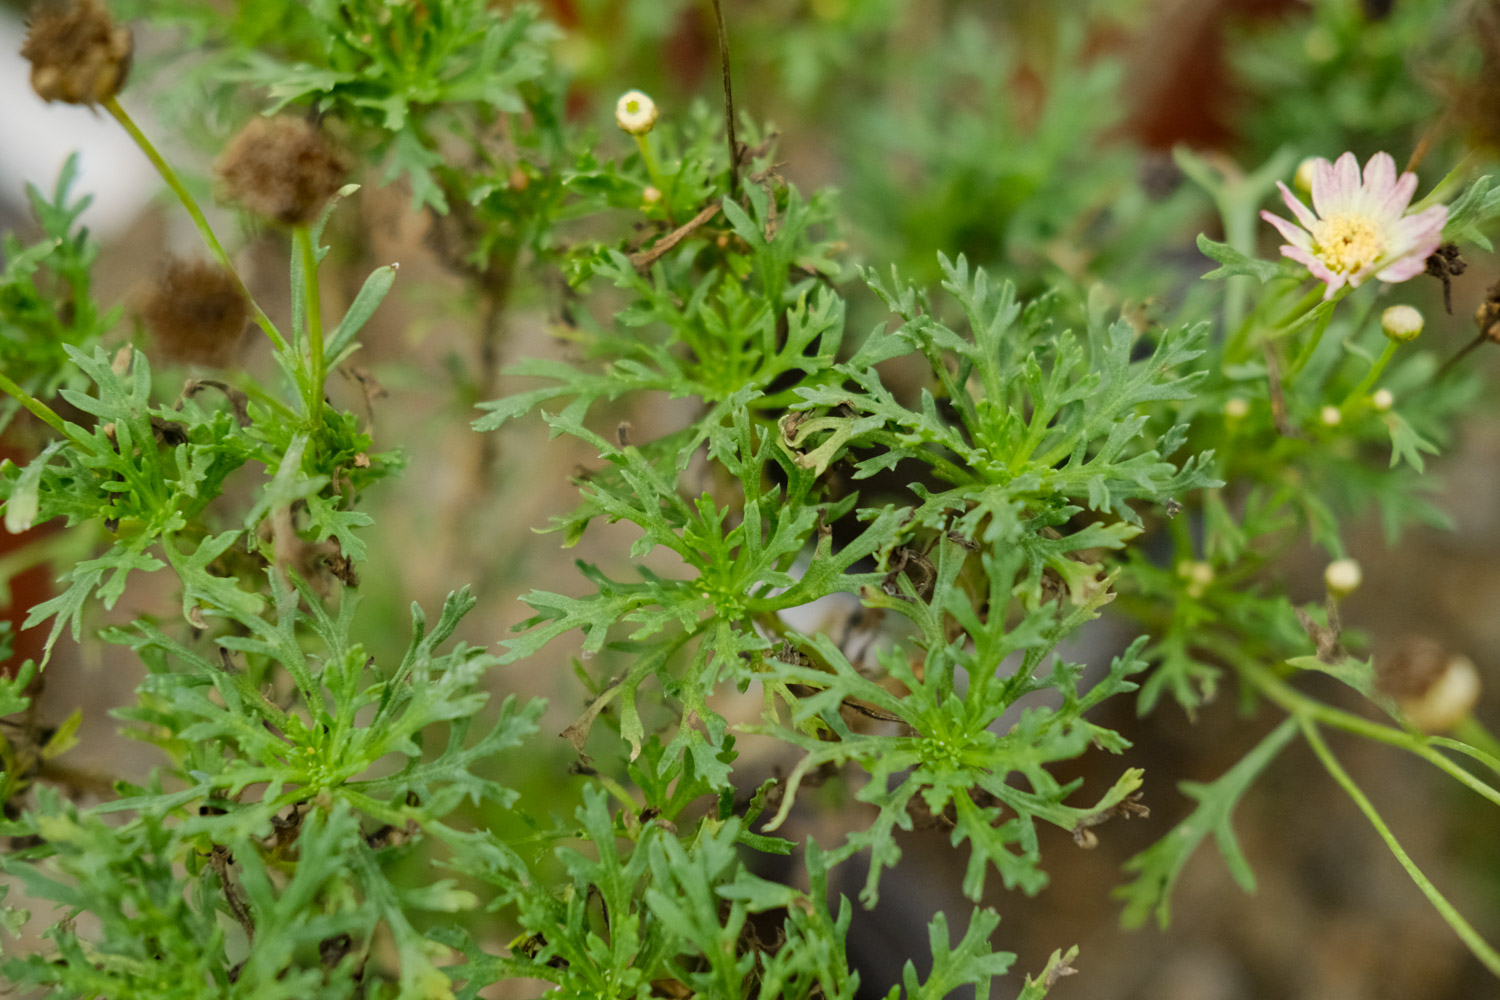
[{"x": 1401, "y": 323}]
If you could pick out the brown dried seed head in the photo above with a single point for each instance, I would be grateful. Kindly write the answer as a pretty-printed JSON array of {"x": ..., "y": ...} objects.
[
  {"x": 77, "y": 52},
  {"x": 196, "y": 313},
  {"x": 284, "y": 168}
]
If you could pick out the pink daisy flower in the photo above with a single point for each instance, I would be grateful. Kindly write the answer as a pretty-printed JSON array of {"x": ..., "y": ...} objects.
[{"x": 1359, "y": 228}]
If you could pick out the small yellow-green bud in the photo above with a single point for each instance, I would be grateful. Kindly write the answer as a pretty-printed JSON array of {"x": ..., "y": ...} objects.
[
  {"x": 650, "y": 196},
  {"x": 1302, "y": 180},
  {"x": 1236, "y": 408},
  {"x": 1342, "y": 577},
  {"x": 1320, "y": 45},
  {"x": 1331, "y": 416},
  {"x": 1198, "y": 575},
  {"x": 1401, "y": 323},
  {"x": 1382, "y": 400},
  {"x": 635, "y": 112}
]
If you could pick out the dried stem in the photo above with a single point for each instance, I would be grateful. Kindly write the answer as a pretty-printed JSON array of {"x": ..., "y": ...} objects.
[{"x": 734, "y": 146}]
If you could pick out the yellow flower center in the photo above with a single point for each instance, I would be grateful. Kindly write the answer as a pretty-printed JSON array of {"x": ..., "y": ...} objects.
[{"x": 1348, "y": 242}]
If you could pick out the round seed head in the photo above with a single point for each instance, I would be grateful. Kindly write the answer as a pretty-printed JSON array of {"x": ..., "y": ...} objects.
[
  {"x": 78, "y": 54},
  {"x": 284, "y": 168},
  {"x": 196, "y": 312}
]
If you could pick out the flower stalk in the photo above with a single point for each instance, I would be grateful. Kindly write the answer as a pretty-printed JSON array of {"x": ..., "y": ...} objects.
[{"x": 215, "y": 248}]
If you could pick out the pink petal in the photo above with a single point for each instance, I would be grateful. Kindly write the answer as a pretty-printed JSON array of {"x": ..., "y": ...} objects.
[
  {"x": 1302, "y": 212},
  {"x": 1401, "y": 270},
  {"x": 1316, "y": 268},
  {"x": 1426, "y": 227},
  {"x": 1294, "y": 235},
  {"x": 1335, "y": 186},
  {"x": 1380, "y": 175},
  {"x": 1394, "y": 202},
  {"x": 1324, "y": 181}
]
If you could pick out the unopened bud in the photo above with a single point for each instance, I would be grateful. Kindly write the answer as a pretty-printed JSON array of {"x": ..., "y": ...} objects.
[
  {"x": 1434, "y": 688},
  {"x": 1342, "y": 577},
  {"x": 1236, "y": 408},
  {"x": 1401, "y": 323},
  {"x": 635, "y": 112},
  {"x": 1198, "y": 575},
  {"x": 1304, "y": 176},
  {"x": 1382, "y": 400},
  {"x": 650, "y": 196},
  {"x": 1331, "y": 416}
]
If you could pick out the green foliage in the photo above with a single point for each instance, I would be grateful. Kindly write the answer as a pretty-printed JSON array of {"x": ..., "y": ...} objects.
[
  {"x": 1156, "y": 869},
  {"x": 46, "y": 300},
  {"x": 1049, "y": 415}
]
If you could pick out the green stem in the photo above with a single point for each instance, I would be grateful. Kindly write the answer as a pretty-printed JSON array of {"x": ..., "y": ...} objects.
[
  {"x": 316, "y": 370},
  {"x": 1466, "y": 933},
  {"x": 1311, "y": 347},
  {"x": 1479, "y": 740},
  {"x": 190, "y": 203},
  {"x": 42, "y": 412},
  {"x": 1238, "y": 213},
  {"x": 1374, "y": 373},
  {"x": 1237, "y": 349},
  {"x": 648, "y": 157},
  {"x": 1301, "y": 705}
]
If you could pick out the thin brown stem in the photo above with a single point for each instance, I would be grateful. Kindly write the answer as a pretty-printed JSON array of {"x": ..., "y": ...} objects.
[
  {"x": 646, "y": 258},
  {"x": 1452, "y": 362},
  {"x": 734, "y": 146},
  {"x": 219, "y": 862}
]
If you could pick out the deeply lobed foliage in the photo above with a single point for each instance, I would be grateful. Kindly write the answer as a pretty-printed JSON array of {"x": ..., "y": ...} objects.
[{"x": 984, "y": 471}]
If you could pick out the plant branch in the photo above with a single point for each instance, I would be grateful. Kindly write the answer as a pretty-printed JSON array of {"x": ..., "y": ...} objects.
[
  {"x": 190, "y": 203},
  {"x": 1480, "y": 948},
  {"x": 734, "y": 146}
]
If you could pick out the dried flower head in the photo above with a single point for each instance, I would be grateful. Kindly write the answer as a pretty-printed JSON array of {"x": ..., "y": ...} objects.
[
  {"x": 635, "y": 112},
  {"x": 1357, "y": 228},
  {"x": 77, "y": 52},
  {"x": 196, "y": 312},
  {"x": 284, "y": 168}
]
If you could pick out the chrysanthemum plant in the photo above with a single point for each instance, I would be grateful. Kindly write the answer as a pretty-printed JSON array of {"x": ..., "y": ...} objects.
[{"x": 1029, "y": 467}]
